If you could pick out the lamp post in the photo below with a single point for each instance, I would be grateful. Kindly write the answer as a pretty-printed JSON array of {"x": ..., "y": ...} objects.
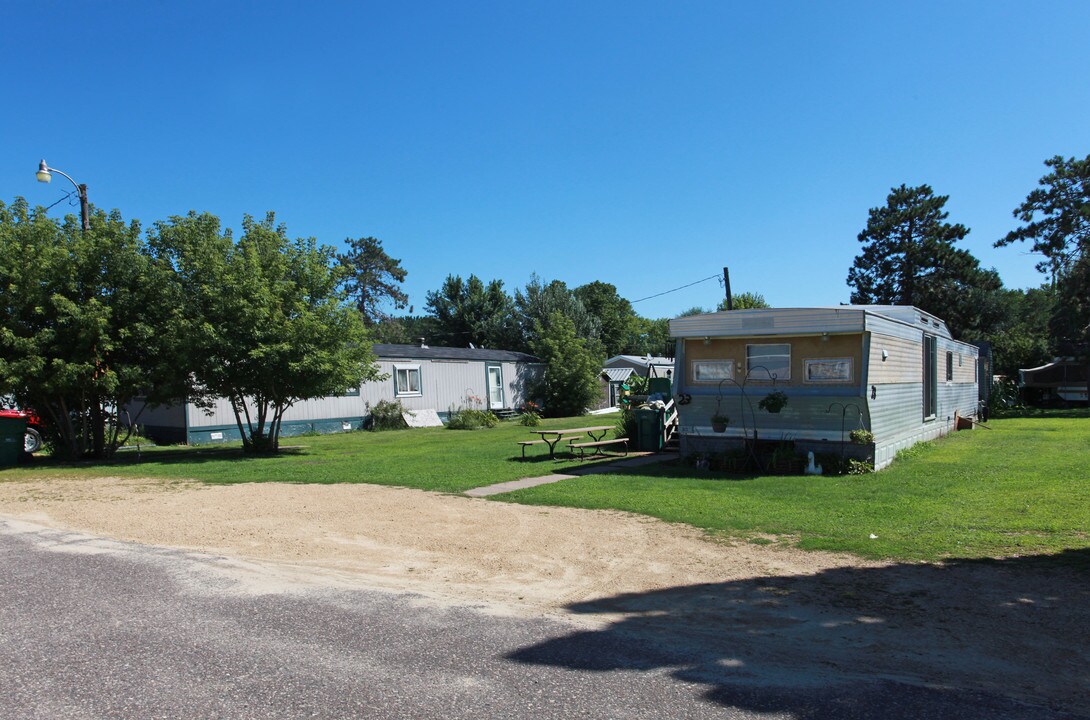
[{"x": 45, "y": 174}]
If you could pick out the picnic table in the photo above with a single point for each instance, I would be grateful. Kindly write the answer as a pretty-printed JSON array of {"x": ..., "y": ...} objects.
[{"x": 553, "y": 437}]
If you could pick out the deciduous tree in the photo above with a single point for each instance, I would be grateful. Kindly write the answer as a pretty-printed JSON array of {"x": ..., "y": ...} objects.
[
  {"x": 86, "y": 325},
  {"x": 615, "y": 316},
  {"x": 265, "y": 323},
  {"x": 570, "y": 384},
  {"x": 745, "y": 301}
]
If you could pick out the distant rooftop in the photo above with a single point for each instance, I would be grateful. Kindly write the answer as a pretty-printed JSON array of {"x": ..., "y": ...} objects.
[
  {"x": 644, "y": 360},
  {"x": 424, "y": 352}
]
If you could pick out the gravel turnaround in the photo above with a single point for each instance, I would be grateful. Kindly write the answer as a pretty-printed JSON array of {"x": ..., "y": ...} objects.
[{"x": 98, "y": 628}]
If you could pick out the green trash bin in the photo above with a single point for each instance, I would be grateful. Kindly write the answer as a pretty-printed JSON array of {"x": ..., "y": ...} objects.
[
  {"x": 11, "y": 440},
  {"x": 649, "y": 430}
]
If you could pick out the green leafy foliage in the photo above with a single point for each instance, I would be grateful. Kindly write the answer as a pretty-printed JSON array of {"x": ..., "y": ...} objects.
[
  {"x": 626, "y": 425},
  {"x": 529, "y": 418},
  {"x": 745, "y": 301},
  {"x": 1057, "y": 214},
  {"x": 265, "y": 323},
  {"x": 388, "y": 415},
  {"x": 570, "y": 384},
  {"x": 861, "y": 437},
  {"x": 773, "y": 402},
  {"x": 616, "y": 318},
  {"x": 470, "y": 312},
  {"x": 87, "y": 322},
  {"x": 472, "y": 419},
  {"x": 539, "y": 301}
]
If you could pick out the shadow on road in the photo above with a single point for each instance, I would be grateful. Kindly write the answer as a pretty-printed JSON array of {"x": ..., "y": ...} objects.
[{"x": 1005, "y": 638}]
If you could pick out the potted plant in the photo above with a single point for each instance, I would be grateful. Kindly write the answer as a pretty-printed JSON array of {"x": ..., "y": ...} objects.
[
  {"x": 861, "y": 437},
  {"x": 719, "y": 422},
  {"x": 773, "y": 402}
]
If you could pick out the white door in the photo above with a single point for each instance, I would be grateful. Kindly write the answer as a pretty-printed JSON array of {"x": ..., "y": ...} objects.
[{"x": 495, "y": 387}]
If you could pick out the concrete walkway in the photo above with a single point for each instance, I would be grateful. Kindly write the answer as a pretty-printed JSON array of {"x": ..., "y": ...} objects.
[{"x": 504, "y": 487}]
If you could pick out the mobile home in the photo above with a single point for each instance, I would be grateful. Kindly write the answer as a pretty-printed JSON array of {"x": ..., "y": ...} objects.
[
  {"x": 893, "y": 370},
  {"x": 417, "y": 376}
]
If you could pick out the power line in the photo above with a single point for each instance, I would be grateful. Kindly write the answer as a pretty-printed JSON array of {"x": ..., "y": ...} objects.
[{"x": 710, "y": 277}]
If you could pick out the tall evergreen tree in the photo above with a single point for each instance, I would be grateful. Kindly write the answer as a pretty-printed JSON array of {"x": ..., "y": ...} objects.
[
  {"x": 1057, "y": 221},
  {"x": 372, "y": 278},
  {"x": 909, "y": 257}
]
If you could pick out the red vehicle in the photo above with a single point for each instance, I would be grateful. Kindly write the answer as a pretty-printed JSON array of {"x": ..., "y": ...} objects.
[{"x": 32, "y": 441}]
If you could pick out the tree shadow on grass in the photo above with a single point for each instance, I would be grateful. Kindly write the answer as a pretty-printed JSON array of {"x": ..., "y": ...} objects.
[
  {"x": 172, "y": 456},
  {"x": 965, "y": 639}
]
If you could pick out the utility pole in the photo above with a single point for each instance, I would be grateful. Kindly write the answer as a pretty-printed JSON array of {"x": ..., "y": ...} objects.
[{"x": 726, "y": 286}]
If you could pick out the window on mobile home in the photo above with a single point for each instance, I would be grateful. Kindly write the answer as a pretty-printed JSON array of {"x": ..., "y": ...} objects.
[
  {"x": 776, "y": 359},
  {"x": 406, "y": 380}
]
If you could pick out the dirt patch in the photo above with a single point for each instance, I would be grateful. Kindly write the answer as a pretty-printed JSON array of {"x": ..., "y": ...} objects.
[
  {"x": 743, "y": 612},
  {"x": 438, "y": 545}
]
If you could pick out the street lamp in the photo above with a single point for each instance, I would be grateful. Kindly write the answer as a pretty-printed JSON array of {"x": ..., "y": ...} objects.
[{"x": 45, "y": 174}]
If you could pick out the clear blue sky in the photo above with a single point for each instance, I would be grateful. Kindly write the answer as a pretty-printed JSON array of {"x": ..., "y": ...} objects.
[{"x": 644, "y": 144}]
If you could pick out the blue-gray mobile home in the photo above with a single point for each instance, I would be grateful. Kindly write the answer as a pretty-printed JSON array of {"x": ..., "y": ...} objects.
[{"x": 893, "y": 370}]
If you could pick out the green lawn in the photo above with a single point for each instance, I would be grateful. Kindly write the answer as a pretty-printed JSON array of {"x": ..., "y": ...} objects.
[
  {"x": 426, "y": 458},
  {"x": 1021, "y": 487}
]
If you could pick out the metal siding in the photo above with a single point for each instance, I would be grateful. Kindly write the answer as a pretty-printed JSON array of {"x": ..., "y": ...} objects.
[
  {"x": 904, "y": 363},
  {"x": 754, "y": 323},
  {"x": 444, "y": 384},
  {"x": 808, "y": 416}
]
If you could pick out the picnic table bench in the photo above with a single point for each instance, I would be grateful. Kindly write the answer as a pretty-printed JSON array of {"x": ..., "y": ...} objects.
[
  {"x": 598, "y": 445},
  {"x": 553, "y": 437},
  {"x": 543, "y": 441}
]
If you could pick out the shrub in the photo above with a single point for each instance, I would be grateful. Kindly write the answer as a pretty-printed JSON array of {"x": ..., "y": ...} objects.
[
  {"x": 387, "y": 415},
  {"x": 626, "y": 425},
  {"x": 471, "y": 419},
  {"x": 529, "y": 419},
  {"x": 471, "y": 416},
  {"x": 858, "y": 467},
  {"x": 1005, "y": 400}
]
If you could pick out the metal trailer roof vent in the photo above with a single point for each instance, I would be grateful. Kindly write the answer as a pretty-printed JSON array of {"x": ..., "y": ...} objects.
[{"x": 422, "y": 343}]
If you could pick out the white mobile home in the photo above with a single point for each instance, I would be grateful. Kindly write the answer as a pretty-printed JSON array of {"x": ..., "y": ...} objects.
[
  {"x": 892, "y": 370},
  {"x": 417, "y": 376}
]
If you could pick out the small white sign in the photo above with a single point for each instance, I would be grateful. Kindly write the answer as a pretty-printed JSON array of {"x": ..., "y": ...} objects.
[
  {"x": 422, "y": 418},
  {"x": 215, "y": 436},
  {"x": 345, "y": 425}
]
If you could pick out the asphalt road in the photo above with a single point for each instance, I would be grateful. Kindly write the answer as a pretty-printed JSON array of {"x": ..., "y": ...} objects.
[{"x": 92, "y": 628}]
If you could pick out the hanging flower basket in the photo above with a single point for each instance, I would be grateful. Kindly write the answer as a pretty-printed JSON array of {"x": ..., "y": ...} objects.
[
  {"x": 773, "y": 402},
  {"x": 719, "y": 423}
]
